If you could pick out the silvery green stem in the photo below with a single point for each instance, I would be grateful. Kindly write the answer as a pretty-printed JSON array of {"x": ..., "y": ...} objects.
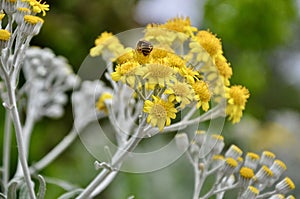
[
  {"x": 6, "y": 150},
  {"x": 197, "y": 185},
  {"x": 115, "y": 162},
  {"x": 27, "y": 130},
  {"x": 19, "y": 136}
]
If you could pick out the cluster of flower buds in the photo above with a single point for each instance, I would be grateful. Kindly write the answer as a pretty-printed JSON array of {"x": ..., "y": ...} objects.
[
  {"x": 48, "y": 77},
  {"x": 18, "y": 24},
  {"x": 254, "y": 175}
]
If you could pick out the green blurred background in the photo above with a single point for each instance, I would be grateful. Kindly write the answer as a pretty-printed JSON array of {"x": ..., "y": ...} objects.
[{"x": 261, "y": 39}]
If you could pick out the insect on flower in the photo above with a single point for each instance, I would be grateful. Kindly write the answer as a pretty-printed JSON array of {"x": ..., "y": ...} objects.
[{"x": 144, "y": 47}]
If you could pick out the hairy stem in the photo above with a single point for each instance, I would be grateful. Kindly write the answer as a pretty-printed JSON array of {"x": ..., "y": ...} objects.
[
  {"x": 115, "y": 163},
  {"x": 6, "y": 151},
  {"x": 18, "y": 130}
]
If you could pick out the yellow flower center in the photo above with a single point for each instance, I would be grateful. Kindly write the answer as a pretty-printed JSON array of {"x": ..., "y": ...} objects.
[
  {"x": 159, "y": 111},
  {"x": 253, "y": 190},
  {"x": 231, "y": 162},
  {"x": 253, "y": 156},
  {"x": 246, "y": 173},
  {"x": 159, "y": 71},
  {"x": 4, "y": 35},
  {"x": 290, "y": 183},
  {"x": 267, "y": 170},
  {"x": 181, "y": 89},
  {"x": 23, "y": 10},
  {"x": 281, "y": 164},
  {"x": 33, "y": 19}
]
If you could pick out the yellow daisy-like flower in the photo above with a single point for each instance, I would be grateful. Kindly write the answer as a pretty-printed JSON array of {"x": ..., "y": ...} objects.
[
  {"x": 160, "y": 112},
  {"x": 38, "y": 7},
  {"x": 164, "y": 37},
  {"x": 4, "y": 35},
  {"x": 125, "y": 72},
  {"x": 202, "y": 94},
  {"x": 224, "y": 68},
  {"x": 236, "y": 97},
  {"x": 128, "y": 56},
  {"x": 158, "y": 53},
  {"x": 157, "y": 74},
  {"x": 190, "y": 74},
  {"x": 175, "y": 61},
  {"x": 180, "y": 24},
  {"x": 100, "y": 105},
  {"x": 209, "y": 42},
  {"x": 107, "y": 41},
  {"x": 180, "y": 92}
]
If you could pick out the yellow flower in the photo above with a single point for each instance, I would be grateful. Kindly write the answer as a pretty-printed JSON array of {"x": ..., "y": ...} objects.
[
  {"x": 177, "y": 28},
  {"x": 157, "y": 74},
  {"x": 180, "y": 24},
  {"x": 158, "y": 53},
  {"x": 180, "y": 92},
  {"x": 202, "y": 94},
  {"x": 160, "y": 112},
  {"x": 125, "y": 72},
  {"x": 224, "y": 68},
  {"x": 107, "y": 41},
  {"x": 4, "y": 35},
  {"x": 128, "y": 56},
  {"x": 236, "y": 100},
  {"x": 37, "y": 6},
  {"x": 209, "y": 42},
  {"x": 190, "y": 74},
  {"x": 100, "y": 105},
  {"x": 175, "y": 61}
]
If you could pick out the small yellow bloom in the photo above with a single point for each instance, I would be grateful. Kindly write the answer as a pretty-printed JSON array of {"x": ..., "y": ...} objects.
[
  {"x": 180, "y": 92},
  {"x": 107, "y": 41},
  {"x": 180, "y": 24},
  {"x": 33, "y": 19},
  {"x": 157, "y": 74},
  {"x": 160, "y": 112},
  {"x": 209, "y": 42},
  {"x": 4, "y": 35},
  {"x": 202, "y": 94},
  {"x": 125, "y": 72},
  {"x": 236, "y": 97},
  {"x": 100, "y": 105},
  {"x": 224, "y": 68},
  {"x": 190, "y": 74},
  {"x": 38, "y": 7}
]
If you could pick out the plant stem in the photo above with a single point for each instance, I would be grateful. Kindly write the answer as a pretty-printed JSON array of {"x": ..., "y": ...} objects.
[
  {"x": 18, "y": 130},
  {"x": 6, "y": 150},
  {"x": 115, "y": 162},
  {"x": 197, "y": 185}
]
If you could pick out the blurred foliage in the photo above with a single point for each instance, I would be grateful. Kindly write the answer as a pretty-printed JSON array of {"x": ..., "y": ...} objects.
[{"x": 251, "y": 32}]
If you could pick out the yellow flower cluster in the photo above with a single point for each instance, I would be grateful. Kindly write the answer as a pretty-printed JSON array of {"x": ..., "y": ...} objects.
[{"x": 184, "y": 68}]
